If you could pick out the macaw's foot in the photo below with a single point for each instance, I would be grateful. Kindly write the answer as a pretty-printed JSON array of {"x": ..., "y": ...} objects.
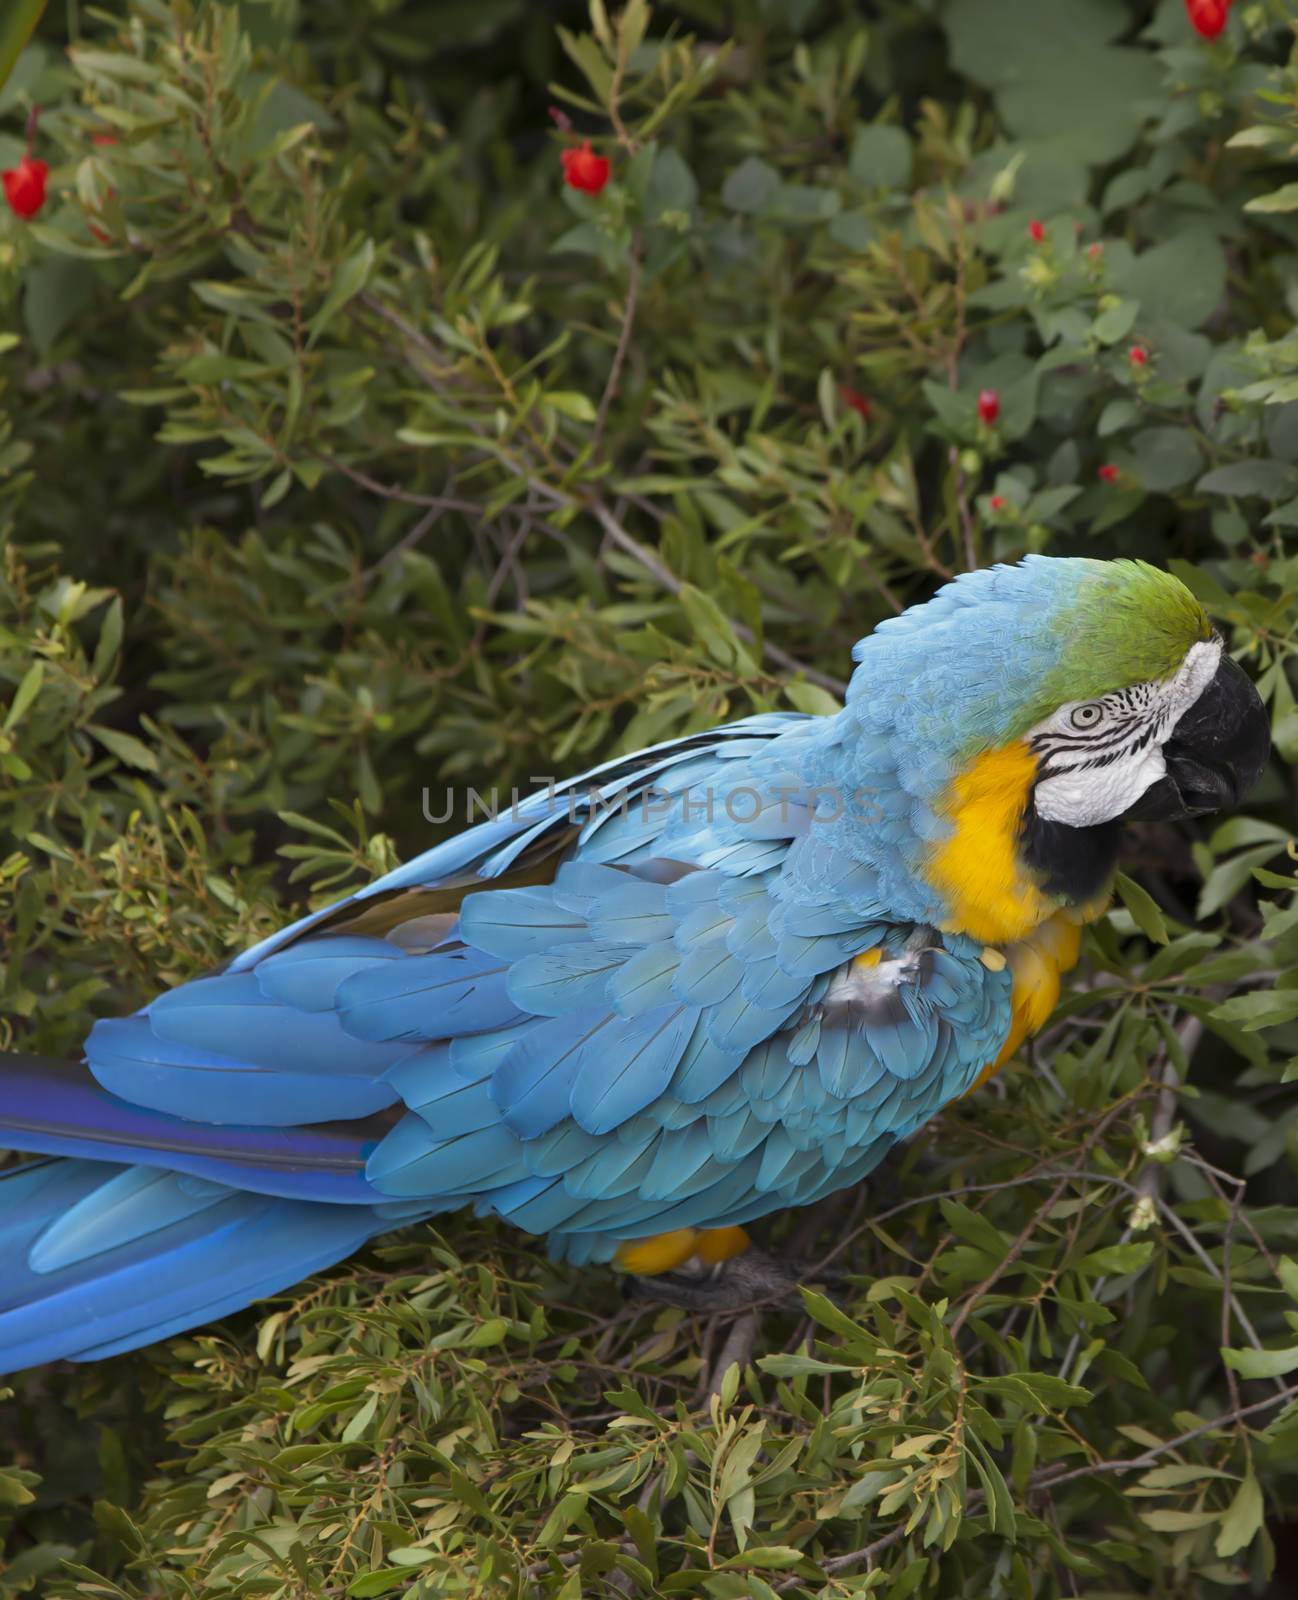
[
  {"x": 666, "y": 1252},
  {"x": 734, "y": 1283}
]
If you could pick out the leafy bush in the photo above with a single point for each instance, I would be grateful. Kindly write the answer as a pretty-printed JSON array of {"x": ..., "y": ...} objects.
[{"x": 349, "y": 454}]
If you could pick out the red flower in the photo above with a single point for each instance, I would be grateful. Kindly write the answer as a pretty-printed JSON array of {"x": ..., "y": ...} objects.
[
  {"x": 584, "y": 170},
  {"x": 997, "y": 502},
  {"x": 989, "y": 405},
  {"x": 1207, "y": 17},
  {"x": 1095, "y": 251},
  {"x": 25, "y": 186},
  {"x": 858, "y": 402},
  {"x": 1108, "y": 473},
  {"x": 1138, "y": 355},
  {"x": 1036, "y": 231}
]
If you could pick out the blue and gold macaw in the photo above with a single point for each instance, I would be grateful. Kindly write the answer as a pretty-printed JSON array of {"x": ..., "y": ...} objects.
[{"x": 716, "y": 978}]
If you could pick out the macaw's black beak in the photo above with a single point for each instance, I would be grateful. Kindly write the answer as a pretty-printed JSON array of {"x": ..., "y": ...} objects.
[{"x": 1216, "y": 752}]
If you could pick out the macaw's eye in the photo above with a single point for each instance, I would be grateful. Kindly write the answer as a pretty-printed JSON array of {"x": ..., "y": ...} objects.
[{"x": 1086, "y": 716}]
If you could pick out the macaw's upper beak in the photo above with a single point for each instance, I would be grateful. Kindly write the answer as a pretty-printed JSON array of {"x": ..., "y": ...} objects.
[{"x": 1216, "y": 752}]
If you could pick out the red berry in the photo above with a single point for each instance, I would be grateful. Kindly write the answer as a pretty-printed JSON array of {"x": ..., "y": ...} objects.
[
  {"x": 1108, "y": 473},
  {"x": 1036, "y": 231},
  {"x": 584, "y": 170},
  {"x": 997, "y": 502},
  {"x": 1138, "y": 355},
  {"x": 1095, "y": 251},
  {"x": 24, "y": 186},
  {"x": 989, "y": 405},
  {"x": 858, "y": 402},
  {"x": 1207, "y": 17}
]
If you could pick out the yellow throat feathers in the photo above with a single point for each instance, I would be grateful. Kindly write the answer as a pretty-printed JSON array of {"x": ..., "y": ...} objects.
[{"x": 989, "y": 892}]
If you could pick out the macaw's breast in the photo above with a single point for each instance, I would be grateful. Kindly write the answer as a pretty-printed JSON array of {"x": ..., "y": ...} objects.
[{"x": 991, "y": 892}]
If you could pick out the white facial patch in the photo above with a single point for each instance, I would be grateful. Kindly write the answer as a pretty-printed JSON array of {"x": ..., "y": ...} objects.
[{"x": 1100, "y": 756}]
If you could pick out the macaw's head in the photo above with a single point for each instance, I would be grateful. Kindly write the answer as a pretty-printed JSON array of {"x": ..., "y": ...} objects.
[{"x": 1042, "y": 705}]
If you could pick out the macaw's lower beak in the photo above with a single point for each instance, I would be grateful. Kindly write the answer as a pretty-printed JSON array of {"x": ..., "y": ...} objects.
[{"x": 1216, "y": 752}]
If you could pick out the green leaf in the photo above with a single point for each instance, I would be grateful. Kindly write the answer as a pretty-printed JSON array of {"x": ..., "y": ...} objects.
[
  {"x": 29, "y": 686},
  {"x": 18, "y": 19},
  {"x": 1259, "y": 1009},
  {"x": 1117, "y": 322},
  {"x": 126, "y": 747},
  {"x": 1116, "y": 1258},
  {"x": 772, "y": 1557},
  {"x": 1180, "y": 280},
  {"x": 378, "y": 1582},
  {"x": 350, "y": 278},
  {"x": 572, "y": 404},
  {"x": 671, "y": 187},
  {"x": 1164, "y": 458},
  {"x": 1283, "y": 199},
  {"x": 751, "y": 187},
  {"x": 1144, "y": 911},
  {"x": 491, "y": 1332},
  {"x": 880, "y": 157},
  {"x": 1271, "y": 480},
  {"x": 1261, "y": 1363},
  {"x": 810, "y": 697},
  {"x": 1244, "y": 1516},
  {"x": 14, "y": 1489}
]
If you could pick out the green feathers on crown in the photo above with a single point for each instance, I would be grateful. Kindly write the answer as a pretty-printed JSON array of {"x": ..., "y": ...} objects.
[{"x": 1127, "y": 623}]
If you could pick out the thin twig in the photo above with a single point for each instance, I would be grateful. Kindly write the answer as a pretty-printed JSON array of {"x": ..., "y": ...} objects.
[
  {"x": 1047, "y": 1478},
  {"x": 623, "y": 342},
  {"x": 1021, "y": 1243},
  {"x": 650, "y": 562}
]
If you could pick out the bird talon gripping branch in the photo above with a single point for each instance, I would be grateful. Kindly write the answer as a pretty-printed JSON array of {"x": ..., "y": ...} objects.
[{"x": 634, "y": 1028}]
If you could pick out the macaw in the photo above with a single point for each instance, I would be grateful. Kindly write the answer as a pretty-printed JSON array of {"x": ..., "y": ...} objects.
[{"x": 719, "y": 977}]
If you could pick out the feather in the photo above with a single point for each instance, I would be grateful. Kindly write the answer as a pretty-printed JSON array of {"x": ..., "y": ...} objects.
[
  {"x": 613, "y": 1170},
  {"x": 735, "y": 1135},
  {"x": 533, "y": 1083},
  {"x": 136, "y": 1202},
  {"x": 58, "y": 1108},
  {"x": 536, "y": 1205},
  {"x": 703, "y": 1068},
  {"x": 646, "y": 980},
  {"x": 634, "y": 913},
  {"x": 139, "y": 1287},
  {"x": 130, "y": 1059},
  {"x": 570, "y": 977},
  {"x": 306, "y": 976},
  {"x": 460, "y": 990},
  {"x": 414, "y": 1161},
  {"x": 707, "y": 974},
  {"x": 579, "y": 885},
  {"x": 560, "y": 1150},
  {"x": 511, "y": 923},
  {"x": 630, "y": 1066}
]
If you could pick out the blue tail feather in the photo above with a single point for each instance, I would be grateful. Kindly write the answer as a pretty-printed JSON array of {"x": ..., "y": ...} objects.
[
  {"x": 109, "y": 1289},
  {"x": 57, "y": 1108}
]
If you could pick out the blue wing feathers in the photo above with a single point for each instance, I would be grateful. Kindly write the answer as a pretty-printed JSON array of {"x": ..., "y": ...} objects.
[
  {"x": 307, "y": 975},
  {"x": 630, "y": 1066},
  {"x": 435, "y": 996},
  {"x": 668, "y": 1034}
]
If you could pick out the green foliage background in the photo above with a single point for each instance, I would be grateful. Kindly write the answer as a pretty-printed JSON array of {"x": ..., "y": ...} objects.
[{"x": 345, "y": 454}]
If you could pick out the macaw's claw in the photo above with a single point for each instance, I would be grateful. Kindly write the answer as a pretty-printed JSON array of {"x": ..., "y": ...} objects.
[{"x": 736, "y": 1284}]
